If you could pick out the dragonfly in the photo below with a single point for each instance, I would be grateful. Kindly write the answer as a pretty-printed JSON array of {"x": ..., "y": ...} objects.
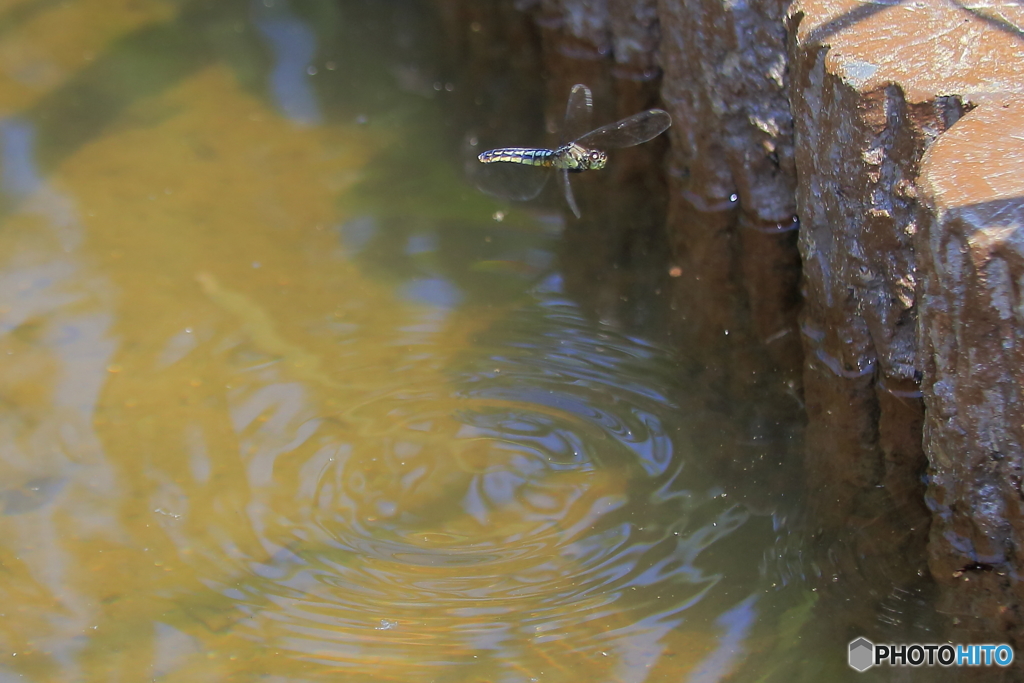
[{"x": 580, "y": 149}]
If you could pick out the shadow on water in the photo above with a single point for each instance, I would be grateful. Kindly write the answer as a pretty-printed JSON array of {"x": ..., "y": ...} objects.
[{"x": 292, "y": 401}]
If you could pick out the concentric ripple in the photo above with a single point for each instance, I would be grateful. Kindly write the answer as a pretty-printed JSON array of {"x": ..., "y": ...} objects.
[{"x": 532, "y": 519}]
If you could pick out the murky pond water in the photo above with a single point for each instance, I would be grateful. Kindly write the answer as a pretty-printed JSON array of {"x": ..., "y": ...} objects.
[{"x": 285, "y": 399}]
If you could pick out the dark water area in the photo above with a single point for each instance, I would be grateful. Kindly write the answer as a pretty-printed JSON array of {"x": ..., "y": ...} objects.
[{"x": 286, "y": 399}]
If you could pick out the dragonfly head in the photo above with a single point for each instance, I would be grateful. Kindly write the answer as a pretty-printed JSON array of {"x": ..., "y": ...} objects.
[{"x": 596, "y": 159}]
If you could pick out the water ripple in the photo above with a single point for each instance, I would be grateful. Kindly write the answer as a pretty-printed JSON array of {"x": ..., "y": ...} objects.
[{"x": 507, "y": 515}]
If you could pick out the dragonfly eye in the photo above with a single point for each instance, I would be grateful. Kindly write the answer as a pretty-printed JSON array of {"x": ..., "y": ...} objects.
[{"x": 595, "y": 155}]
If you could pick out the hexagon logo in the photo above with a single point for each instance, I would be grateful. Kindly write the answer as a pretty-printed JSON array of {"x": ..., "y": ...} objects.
[{"x": 862, "y": 654}]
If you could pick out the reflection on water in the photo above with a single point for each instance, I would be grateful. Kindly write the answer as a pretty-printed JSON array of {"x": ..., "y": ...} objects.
[
  {"x": 293, "y": 44},
  {"x": 286, "y": 400}
]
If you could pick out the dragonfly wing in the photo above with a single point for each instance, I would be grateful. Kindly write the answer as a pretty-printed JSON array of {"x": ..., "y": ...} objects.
[
  {"x": 629, "y": 131},
  {"x": 578, "y": 113},
  {"x": 568, "y": 193},
  {"x": 509, "y": 181}
]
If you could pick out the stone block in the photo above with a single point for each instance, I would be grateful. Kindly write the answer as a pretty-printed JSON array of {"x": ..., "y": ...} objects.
[
  {"x": 971, "y": 259},
  {"x": 731, "y": 186},
  {"x": 874, "y": 85}
]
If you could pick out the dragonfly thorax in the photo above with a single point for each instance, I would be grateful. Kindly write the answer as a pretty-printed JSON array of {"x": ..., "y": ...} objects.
[{"x": 573, "y": 157}]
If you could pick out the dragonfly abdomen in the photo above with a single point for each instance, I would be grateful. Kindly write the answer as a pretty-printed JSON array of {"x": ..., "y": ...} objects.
[{"x": 529, "y": 156}]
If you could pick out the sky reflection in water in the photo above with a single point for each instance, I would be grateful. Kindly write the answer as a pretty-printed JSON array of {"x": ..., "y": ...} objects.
[{"x": 259, "y": 425}]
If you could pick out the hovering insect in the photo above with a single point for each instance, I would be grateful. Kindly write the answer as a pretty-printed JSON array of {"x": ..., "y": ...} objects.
[{"x": 578, "y": 150}]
